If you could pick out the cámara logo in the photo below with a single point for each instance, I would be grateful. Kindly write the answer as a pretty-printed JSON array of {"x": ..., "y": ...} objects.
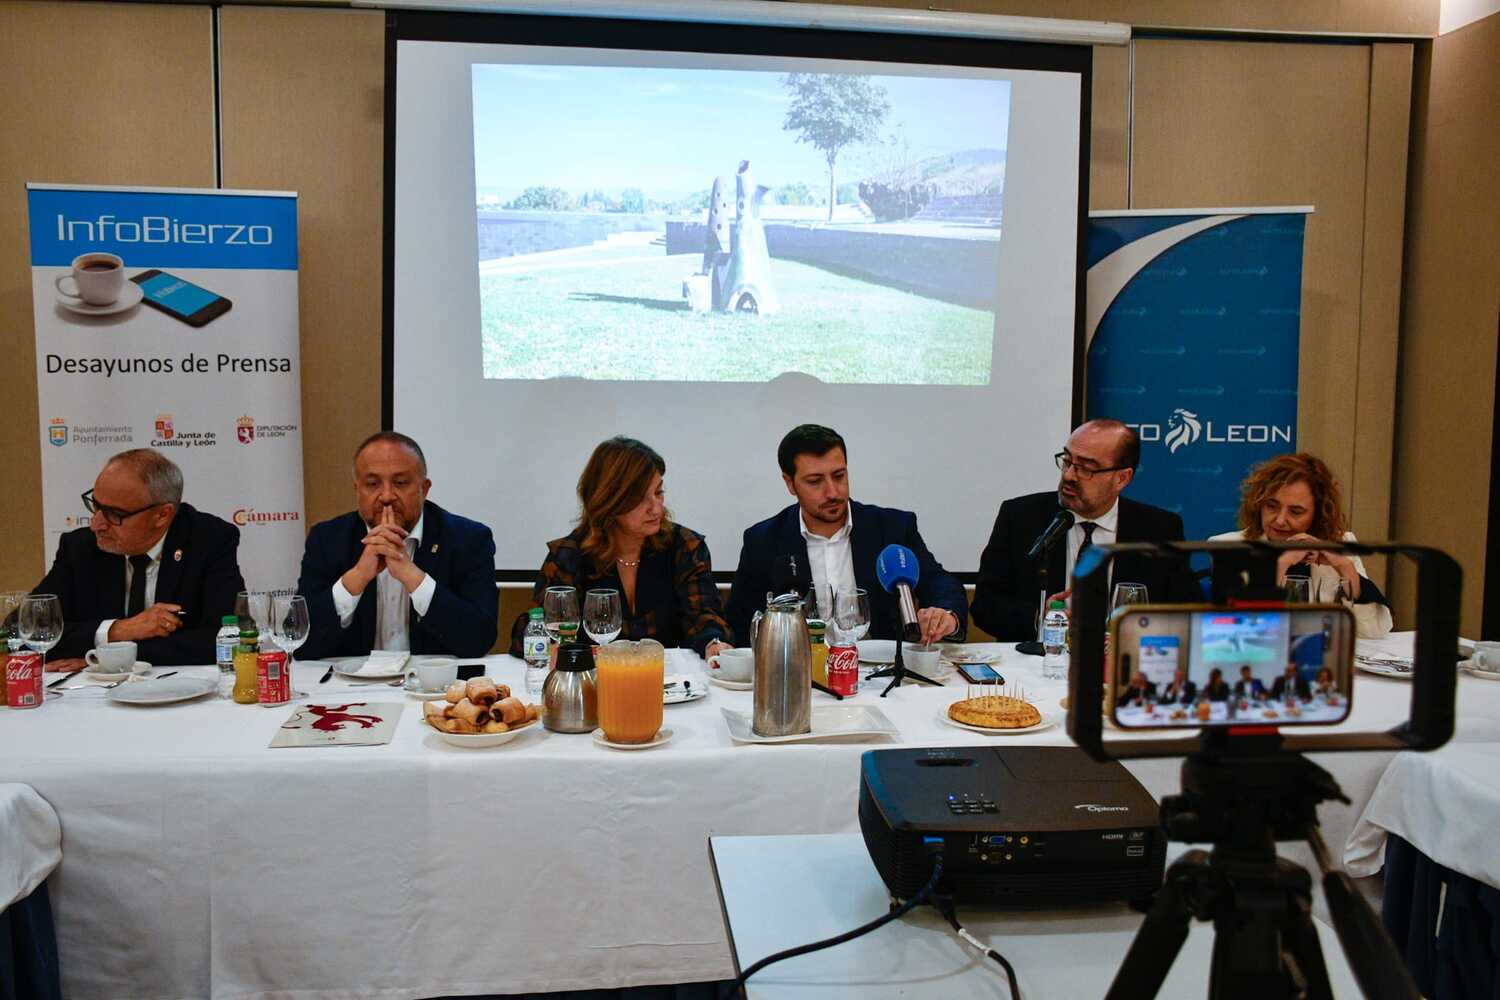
[
  {"x": 1094, "y": 807},
  {"x": 249, "y": 515},
  {"x": 57, "y": 431},
  {"x": 1182, "y": 428}
]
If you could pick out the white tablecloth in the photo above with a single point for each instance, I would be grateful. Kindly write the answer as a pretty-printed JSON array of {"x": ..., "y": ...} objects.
[
  {"x": 200, "y": 862},
  {"x": 1445, "y": 803},
  {"x": 30, "y": 842}
]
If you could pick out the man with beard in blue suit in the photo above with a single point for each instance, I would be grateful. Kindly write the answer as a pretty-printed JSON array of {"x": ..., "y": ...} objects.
[{"x": 835, "y": 542}]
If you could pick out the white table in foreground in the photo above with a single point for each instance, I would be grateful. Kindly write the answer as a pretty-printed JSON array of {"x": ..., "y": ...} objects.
[{"x": 779, "y": 892}]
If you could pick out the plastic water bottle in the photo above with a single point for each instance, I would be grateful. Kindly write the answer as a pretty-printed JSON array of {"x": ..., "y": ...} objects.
[
  {"x": 224, "y": 643},
  {"x": 1055, "y": 642},
  {"x": 534, "y": 650}
]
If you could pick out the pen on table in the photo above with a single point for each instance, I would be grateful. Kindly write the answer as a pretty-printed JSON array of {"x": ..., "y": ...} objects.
[{"x": 54, "y": 683}]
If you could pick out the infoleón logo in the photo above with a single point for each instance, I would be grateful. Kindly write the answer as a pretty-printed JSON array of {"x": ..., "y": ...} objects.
[
  {"x": 1185, "y": 427},
  {"x": 1182, "y": 428}
]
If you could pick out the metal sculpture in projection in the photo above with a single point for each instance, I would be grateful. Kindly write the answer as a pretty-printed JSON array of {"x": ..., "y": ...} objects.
[{"x": 748, "y": 286}]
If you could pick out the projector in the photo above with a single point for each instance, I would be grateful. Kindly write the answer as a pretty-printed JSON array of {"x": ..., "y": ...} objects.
[{"x": 1021, "y": 826}]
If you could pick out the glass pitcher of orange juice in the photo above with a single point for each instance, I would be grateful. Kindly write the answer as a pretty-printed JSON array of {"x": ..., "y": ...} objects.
[{"x": 631, "y": 676}]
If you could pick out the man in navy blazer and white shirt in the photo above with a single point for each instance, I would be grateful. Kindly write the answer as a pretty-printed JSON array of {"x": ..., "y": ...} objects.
[
  {"x": 400, "y": 572},
  {"x": 835, "y": 542}
]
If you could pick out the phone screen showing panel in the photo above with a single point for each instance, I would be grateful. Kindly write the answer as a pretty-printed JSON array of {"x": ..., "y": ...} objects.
[
  {"x": 1227, "y": 667},
  {"x": 181, "y": 298}
]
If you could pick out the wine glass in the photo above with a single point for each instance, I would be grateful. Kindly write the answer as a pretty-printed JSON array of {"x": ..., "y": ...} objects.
[
  {"x": 1127, "y": 594},
  {"x": 289, "y": 625},
  {"x": 602, "y": 616},
  {"x": 851, "y": 613},
  {"x": 254, "y": 606},
  {"x": 10, "y": 610},
  {"x": 41, "y": 623},
  {"x": 1298, "y": 590},
  {"x": 559, "y": 608}
]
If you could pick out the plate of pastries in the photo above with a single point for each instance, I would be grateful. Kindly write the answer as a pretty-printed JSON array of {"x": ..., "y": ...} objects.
[
  {"x": 1003, "y": 711},
  {"x": 479, "y": 713}
]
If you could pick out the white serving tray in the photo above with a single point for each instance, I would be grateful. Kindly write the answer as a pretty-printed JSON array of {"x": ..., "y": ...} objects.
[{"x": 828, "y": 722}]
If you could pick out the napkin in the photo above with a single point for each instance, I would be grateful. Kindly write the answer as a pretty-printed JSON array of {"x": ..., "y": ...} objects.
[{"x": 383, "y": 663}]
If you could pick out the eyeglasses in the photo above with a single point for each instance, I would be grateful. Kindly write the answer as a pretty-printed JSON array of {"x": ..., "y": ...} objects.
[
  {"x": 113, "y": 515},
  {"x": 1064, "y": 463}
]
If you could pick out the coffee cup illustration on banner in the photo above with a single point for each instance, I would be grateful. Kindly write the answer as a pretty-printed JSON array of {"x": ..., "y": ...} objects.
[{"x": 97, "y": 280}]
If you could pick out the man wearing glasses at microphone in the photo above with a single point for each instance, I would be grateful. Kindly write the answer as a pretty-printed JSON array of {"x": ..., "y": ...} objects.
[
  {"x": 148, "y": 569},
  {"x": 834, "y": 543},
  {"x": 1097, "y": 463}
]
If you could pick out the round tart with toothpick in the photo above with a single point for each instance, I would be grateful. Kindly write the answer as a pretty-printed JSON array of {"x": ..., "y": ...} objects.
[{"x": 1006, "y": 711}]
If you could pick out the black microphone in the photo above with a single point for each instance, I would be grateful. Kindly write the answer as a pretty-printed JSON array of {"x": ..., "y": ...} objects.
[{"x": 1060, "y": 524}]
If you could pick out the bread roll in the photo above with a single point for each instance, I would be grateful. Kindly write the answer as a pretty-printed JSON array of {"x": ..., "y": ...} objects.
[
  {"x": 434, "y": 709},
  {"x": 533, "y": 712},
  {"x": 455, "y": 692},
  {"x": 511, "y": 711},
  {"x": 464, "y": 726},
  {"x": 502, "y": 691},
  {"x": 467, "y": 711},
  {"x": 495, "y": 726},
  {"x": 482, "y": 691}
]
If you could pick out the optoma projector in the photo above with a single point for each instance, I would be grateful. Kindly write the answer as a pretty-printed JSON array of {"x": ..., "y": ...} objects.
[{"x": 1021, "y": 826}]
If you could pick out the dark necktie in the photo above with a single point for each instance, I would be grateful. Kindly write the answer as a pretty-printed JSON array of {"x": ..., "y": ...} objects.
[
  {"x": 136, "y": 603},
  {"x": 1088, "y": 535}
]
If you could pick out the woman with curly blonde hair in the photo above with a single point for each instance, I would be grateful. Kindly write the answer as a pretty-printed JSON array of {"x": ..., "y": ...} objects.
[
  {"x": 1293, "y": 498},
  {"x": 626, "y": 540}
]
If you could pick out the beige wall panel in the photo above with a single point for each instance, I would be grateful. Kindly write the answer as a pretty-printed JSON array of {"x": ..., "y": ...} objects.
[
  {"x": 1392, "y": 17},
  {"x": 1448, "y": 332},
  {"x": 1369, "y": 484},
  {"x": 303, "y": 109},
  {"x": 1243, "y": 123},
  {"x": 1109, "y": 128},
  {"x": 151, "y": 125}
]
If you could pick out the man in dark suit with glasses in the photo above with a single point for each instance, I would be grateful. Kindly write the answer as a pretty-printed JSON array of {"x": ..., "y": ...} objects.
[
  {"x": 149, "y": 568},
  {"x": 1097, "y": 463}
]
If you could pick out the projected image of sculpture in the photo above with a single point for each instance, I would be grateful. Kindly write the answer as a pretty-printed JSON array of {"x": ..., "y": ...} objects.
[{"x": 858, "y": 241}]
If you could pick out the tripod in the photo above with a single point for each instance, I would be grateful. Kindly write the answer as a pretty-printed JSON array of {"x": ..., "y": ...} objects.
[
  {"x": 898, "y": 672},
  {"x": 1265, "y": 944}
]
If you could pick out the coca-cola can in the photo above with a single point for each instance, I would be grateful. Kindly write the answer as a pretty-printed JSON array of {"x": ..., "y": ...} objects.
[
  {"x": 23, "y": 680},
  {"x": 273, "y": 681},
  {"x": 843, "y": 669}
]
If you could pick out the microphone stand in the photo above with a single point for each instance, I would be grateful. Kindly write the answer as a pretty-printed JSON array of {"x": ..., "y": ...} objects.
[
  {"x": 1034, "y": 647},
  {"x": 899, "y": 672}
]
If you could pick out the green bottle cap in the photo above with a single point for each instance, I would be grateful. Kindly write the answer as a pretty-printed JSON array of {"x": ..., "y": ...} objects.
[
  {"x": 1057, "y": 605},
  {"x": 230, "y": 620},
  {"x": 535, "y": 614}
]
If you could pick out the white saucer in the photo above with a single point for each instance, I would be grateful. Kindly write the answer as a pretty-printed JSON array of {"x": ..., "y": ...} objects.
[
  {"x": 663, "y": 735},
  {"x": 130, "y": 297},
  {"x": 731, "y": 685},
  {"x": 411, "y": 687},
  {"x": 140, "y": 667},
  {"x": 1483, "y": 675},
  {"x": 1046, "y": 723}
]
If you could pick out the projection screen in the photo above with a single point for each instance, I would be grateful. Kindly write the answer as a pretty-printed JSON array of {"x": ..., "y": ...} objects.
[{"x": 703, "y": 235}]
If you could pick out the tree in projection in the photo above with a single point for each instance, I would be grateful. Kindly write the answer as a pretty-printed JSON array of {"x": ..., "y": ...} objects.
[{"x": 830, "y": 111}]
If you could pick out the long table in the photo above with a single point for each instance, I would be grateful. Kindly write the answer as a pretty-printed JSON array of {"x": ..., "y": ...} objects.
[{"x": 199, "y": 862}]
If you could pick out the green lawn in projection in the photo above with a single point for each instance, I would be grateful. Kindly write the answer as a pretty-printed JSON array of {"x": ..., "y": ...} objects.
[{"x": 626, "y": 320}]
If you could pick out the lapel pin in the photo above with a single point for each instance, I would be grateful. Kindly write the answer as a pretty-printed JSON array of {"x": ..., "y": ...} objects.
[
  {"x": 177, "y": 555},
  {"x": 434, "y": 548}
]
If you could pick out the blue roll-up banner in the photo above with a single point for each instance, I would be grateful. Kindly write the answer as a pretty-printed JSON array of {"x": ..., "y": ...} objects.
[{"x": 1193, "y": 324}]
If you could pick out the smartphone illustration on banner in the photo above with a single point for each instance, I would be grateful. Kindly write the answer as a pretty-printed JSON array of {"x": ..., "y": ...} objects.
[{"x": 180, "y": 298}]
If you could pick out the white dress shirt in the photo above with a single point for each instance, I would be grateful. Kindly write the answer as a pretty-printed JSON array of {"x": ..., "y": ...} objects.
[
  {"x": 153, "y": 569},
  {"x": 1105, "y": 533},
  {"x": 831, "y": 562},
  {"x": 391, "y": 600}
]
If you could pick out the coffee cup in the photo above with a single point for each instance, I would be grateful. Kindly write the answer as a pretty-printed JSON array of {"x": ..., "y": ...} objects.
[
  {"x": 98, "y": 279},
  {"x": 435, "y": 673},
  {"x": 111, "y": 658},
  {"x": 734, "y": 664},
  {"x": 924, "y": 661},
  {"x": 1486, "y": 657}
]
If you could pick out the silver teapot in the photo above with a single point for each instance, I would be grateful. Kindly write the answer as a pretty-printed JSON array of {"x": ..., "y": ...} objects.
[{"x": 783, "y": 668}]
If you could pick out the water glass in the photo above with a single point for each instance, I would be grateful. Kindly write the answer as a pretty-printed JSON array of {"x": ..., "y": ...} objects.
[
  {"x": 1298, "y": 590},
  {"x": 1127, "y": 594},
  {"x": 10, "y": 627},
  {"x": 851, "y": 614},
  {"x": 559, "y": 608},
  {"x": 254, "y": 606},
  {"x": 41, "y": 623},
  {"x": 602, "y": 615}
]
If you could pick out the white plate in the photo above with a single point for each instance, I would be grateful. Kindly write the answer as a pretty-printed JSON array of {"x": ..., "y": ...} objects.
[
  {"x": 877, "y": 651},
  {"x": 478, "y": 741},
  {"x": 130, "y": 297},
  {"x": 1483, "y": 675},
  {"x": 662, "y": 736},
  {"x": 731, "y": 685},
  {"x": 163, "y": 692},
  {"x": 1382, "y": 670},
  {"x": 954, "y": 652},
  {"x": 1046, "y": 723},
  {"x": 347, "y": 665},
  {"x": 828, "y": 722},
  {"x": 94, "y": 673},
  {"x": 678, "y": 695}
]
